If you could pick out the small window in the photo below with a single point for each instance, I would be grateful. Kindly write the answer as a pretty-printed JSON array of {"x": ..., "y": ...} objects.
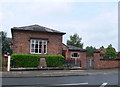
[{"x": 75, "y": 55}]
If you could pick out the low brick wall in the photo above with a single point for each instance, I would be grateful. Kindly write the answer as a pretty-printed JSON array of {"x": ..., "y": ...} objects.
[
  {"x": 100, "y": 63},
  {"x": 109, "y": 64}
]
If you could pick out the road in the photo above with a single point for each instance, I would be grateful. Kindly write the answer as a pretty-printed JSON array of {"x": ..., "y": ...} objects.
[{"x": 101, "y": 80}]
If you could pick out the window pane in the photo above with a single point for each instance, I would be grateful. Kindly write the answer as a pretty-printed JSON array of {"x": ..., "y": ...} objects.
[
  {"x": 40, "y": 42},
  {"x": 32, "y": 41},
  {"x": 45, "y": 42},
  {"x": 40, "y": 46},
  {"x": 36, "y": 46},
  {"x": 45, "y": 46},
  {"x": 36, "y": 41},
  {"x": 75, "y": 54},
  {"x": 36, "y": 50},
  {"x": 40, "y": 51},
  {"x": 32, "y": 50},
  {"x": 32, "y": 46}
]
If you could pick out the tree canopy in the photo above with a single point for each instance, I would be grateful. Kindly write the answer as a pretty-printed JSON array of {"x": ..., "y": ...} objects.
[
  {"x": 75, "y": 40},
  {"x": 110, "y": 52},
  {"x": 90, "y": 50},
  {"x": 6, "y": 42}
]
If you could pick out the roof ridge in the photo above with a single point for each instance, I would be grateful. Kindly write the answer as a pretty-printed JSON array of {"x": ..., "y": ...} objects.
[{"x": 38, "y": 28}]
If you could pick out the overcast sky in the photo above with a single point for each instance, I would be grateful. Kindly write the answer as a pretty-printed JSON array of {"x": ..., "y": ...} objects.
[{"x": 95, "y": 22}]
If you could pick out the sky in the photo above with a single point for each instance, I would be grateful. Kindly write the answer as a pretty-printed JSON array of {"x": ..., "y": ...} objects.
[{"x": 96, "y": 22}]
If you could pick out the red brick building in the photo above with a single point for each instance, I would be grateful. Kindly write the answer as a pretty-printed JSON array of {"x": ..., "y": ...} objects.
[
  {"x": 75, "y": 56},
  {"x": 36, "y": 39}
]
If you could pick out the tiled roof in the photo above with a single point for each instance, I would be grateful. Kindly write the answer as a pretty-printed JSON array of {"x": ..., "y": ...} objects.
[
  {"x": 74, "y": 48},
  {"x": 37, "y": 28}
]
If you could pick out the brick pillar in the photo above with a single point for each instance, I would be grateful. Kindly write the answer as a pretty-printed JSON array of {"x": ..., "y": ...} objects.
[
  {"x": 42, "y": 61},
  {"x": 97, "y": 58},
  {"x": 83, "y": 60}
]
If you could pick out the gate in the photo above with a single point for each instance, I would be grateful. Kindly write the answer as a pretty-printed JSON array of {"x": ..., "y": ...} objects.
[
  {"x": 73, "y": 63},
  {"x": 90, "y": 64}
]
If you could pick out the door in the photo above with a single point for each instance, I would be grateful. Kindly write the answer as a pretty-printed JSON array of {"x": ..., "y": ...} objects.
[
  {"x": 75, "y": 63},
  {"x": 90, "y": 64}
]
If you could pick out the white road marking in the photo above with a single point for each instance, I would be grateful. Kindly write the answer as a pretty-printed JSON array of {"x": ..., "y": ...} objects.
[
  {"x": 74, "y": 84},
  {"x": 104, "y": 84},
  {"x": 77, "y": 70}
]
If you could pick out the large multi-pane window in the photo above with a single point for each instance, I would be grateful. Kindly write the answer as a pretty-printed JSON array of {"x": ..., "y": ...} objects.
[{"x": 38, "y": 46}]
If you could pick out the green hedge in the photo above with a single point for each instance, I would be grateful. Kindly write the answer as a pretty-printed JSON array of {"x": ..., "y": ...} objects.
[
  {"x": 25, "y": 60},
  {"x": 54, "y": 60}
]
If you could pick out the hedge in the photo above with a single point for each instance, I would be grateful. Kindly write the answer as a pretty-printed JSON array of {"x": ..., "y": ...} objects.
[
  {"x": 54, "y": 60},
  {"x": 25, "y": 60}
]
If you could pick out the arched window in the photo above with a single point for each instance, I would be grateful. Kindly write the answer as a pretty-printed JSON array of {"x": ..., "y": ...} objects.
[{"x": 75, "y": 55}]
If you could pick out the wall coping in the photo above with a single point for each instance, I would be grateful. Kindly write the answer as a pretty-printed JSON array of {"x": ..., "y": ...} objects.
[{"x": 108, "y": 59}]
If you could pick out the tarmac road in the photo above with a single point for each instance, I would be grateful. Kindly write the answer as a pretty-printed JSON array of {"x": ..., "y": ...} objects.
[
  {"x": 100, "y": 80},
  {"x": 61, "y": 78}
]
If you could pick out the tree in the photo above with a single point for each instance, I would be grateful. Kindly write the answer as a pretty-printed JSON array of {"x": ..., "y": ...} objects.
[
  {"x": 90, "y": 50},
  {"x": 102, "y": 51},
  {"x": 75, "y": 40},
  {"x": 110, "y": 52},
  {"x": 6, "y": 42}
]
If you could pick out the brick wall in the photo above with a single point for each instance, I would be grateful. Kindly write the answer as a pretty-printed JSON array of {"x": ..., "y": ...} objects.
[
  {"x": 21, "y": 42},
  {"x": 82, "y": 58},
  {"x": 104, "y": 64}
]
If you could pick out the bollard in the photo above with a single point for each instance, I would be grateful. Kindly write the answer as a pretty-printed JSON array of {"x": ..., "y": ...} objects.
[{"x": 8, "y": 68}]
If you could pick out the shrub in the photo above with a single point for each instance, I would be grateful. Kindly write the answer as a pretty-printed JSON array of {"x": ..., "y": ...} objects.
[
  {"x": 54, "y": 60},
  {"x": 25, "y": 60}
]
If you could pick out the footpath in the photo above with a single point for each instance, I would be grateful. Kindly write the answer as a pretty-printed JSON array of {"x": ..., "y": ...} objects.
[{"x": 46, "y": 73}]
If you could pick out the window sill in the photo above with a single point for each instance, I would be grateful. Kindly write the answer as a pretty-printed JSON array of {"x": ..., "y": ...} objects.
[
  {"x": 75, "y": 57},
  {"x": 39, "y": 53}
]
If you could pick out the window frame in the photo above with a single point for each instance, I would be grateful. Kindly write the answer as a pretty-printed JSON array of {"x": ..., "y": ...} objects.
[
  {"x": 42, "y": 46},
  {"x": 73, "y": 53}
]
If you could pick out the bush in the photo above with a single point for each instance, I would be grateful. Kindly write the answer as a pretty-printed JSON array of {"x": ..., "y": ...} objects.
[
  {"x": 55, "y": 60},
  {"x": 25, "y": 60}
]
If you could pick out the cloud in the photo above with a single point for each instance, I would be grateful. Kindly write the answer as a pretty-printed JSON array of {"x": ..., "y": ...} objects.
[
  {"x": 59, "y": 1},
  {"x": 25, "y": 13},
  {"x": 37, "y": 8},
  {"x": 101, "y": 30},
  {"x": 1, "y": 18}
]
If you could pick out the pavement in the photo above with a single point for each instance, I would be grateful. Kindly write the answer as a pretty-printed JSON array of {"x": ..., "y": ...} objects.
[{"x": 46, "y": 73}]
